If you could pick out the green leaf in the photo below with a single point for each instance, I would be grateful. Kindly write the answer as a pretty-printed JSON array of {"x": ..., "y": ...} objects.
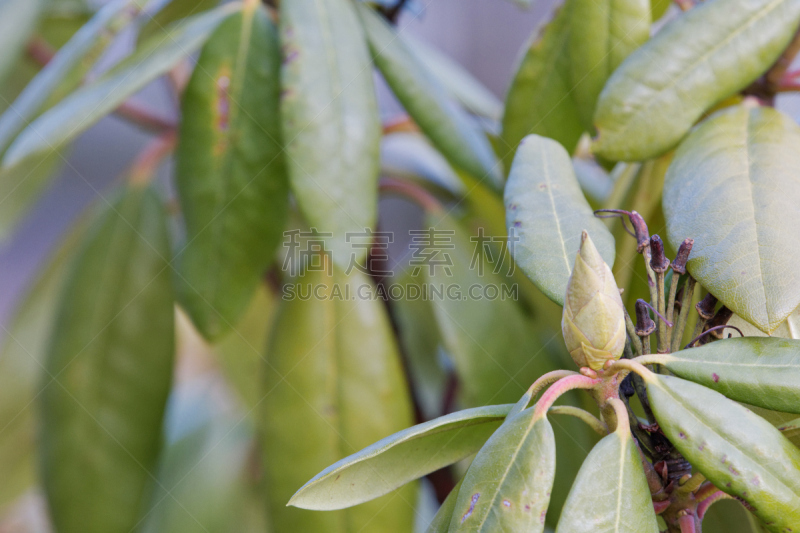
[
  {"x": 173, "y": 11},
  {"x": 539, "y": 99},
  {"x": 788, "y": 329},
  {"x": 785, "y": 422},
  {"x": 22, "y": 360},
  {"x": 330, "y": 120},
  {"x": 67, "y": 67},
  {"x": 659, "y": 7},
  {"x": 610, "y": 494},
  {"x": 230, "y": 171},
  {"x": 738, "y": 451},
  {"x": 448, "y": 128},
  {"x": 397, "y": 459},
  {"x": 22, "y": 184},
  {"x": 441, "y": 521},
  {"x": 759, "y": 371},
  {"x": 335, "y": 385},
  {"x": 733, "y": 188},
  {"x": 730, "y": 516},
  {"x": 18, "y": 20},
  {"x": 508, "y": 484},
  {"x": 546, "y": 212},
  {"x": 110, "y": 370},
  {"x": 495, "y": 352},
  {"x": 83, "y": 108},
  {"x": 702, "y": 57},
  {"x": 602, "y": 33},
  {"x": 459, "y": 83}
]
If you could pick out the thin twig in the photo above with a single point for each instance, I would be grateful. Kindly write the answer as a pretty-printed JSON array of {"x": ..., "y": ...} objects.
[
  {"x": 147, "y": 162},
  {"x": 709, "y": 330},
  {"x": 686, "y": 303},
  {"x": 776, "y": 73},
  {"x": 41, "y": 52},
  {"x": 636, "y": 342},
  {"x": 591, "y": 420}
]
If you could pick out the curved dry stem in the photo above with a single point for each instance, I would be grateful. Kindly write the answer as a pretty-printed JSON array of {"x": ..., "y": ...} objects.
[
  {"x": 651, "y": 359},
  {"x": 563, "y": 385},
  {"x": 534, "y": 390},
  {"x": 591, "y": 420},
  {"x": 708, "y": 502},
  {"x": 622, "y": 415},
  {"x": 412, "y": 191},
  {"x": 633, "y": 365}
]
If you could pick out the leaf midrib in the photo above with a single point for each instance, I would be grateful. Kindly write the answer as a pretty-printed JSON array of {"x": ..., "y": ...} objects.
[
  {"x": 687, "y": 408},
  {"x": 224, "y": 198}
]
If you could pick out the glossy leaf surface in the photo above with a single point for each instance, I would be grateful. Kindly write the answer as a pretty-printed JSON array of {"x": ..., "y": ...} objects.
[
  {"x": 759, "y": 371},
  {"x": 109, "y": 370},
  {"x": 331, "y": 125},
  {"x": 334, "y": 384},
  {"x": 737, "y": 450},
  {"x": 700, "y": 58},
  {"x": 539, "y": 99},
  {"x": 733, "y": 188},
  {"x": 405, "y": 456},
  {"x": 83, "y": 108},
  {"x": 448, "y": 128},
  {"x": 602, "y": 33},
  {"x": 230, "y": 170},
  {"x": 546, "y": 212},
  {"x": 610, "y": 494},
  {"x": 508, "y": 484}
]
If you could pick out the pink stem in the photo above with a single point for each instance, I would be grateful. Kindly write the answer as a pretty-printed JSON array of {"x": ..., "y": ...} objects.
[
  {"x": 660, "y": 507},
  {"x": 788, "y": 87},
  {"x": 411, "y": 191},
  {"x": 563, "y": 385},
  {"x": 708, "y": 502},
  {"x": 705, "y": 490},
  {"x": 686, "y": 523}
]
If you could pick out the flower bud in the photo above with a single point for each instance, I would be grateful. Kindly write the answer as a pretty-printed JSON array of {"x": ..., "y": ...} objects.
[{"x": 593, "y": 323}]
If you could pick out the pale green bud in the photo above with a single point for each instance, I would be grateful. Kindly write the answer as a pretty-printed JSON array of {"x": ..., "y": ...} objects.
[{"x": 593, "y": 323}]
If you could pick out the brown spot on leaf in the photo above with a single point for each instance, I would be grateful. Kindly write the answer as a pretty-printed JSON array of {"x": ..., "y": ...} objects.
[
  {"x": 223, "y": 100},
  {"x": 541, "y": 516},
  {"x": 472, "y": 503},
  {"x": 715, "y": 377},
  {"x": 506, "y": 503}
]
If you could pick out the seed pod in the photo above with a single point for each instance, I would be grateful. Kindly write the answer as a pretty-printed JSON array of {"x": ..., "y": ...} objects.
[{"x": 593, "y": 323}]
